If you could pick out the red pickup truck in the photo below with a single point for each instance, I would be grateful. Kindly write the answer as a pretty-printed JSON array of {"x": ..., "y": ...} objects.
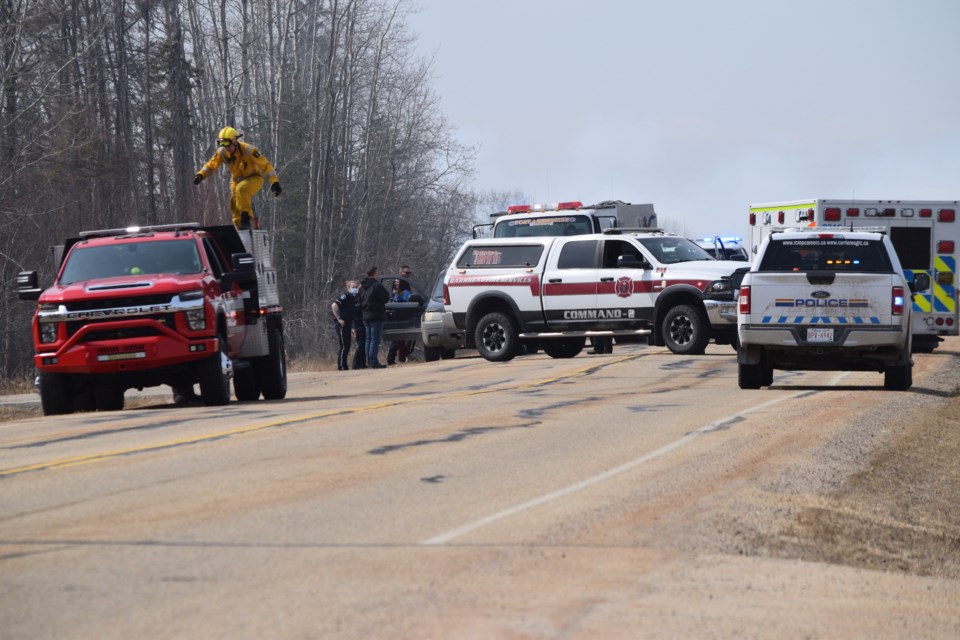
[{"x": 176, "y": 305}]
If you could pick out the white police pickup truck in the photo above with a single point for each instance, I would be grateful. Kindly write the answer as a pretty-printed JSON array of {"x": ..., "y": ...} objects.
[
  {"x": 833, "y": 301},
  {"x": 554, "y": 292}
]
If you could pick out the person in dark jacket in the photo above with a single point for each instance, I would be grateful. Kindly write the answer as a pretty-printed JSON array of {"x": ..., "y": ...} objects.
[
  {"x": 373, "y": 298},
  {"x": 344, "y": 310}
]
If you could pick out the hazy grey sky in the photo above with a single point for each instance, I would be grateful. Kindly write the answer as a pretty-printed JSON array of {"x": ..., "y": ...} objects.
[{"x": 702, "y": 107}]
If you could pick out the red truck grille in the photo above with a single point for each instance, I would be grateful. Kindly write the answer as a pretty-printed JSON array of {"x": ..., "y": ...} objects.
[
  {"x": 112, "y": 303},
  {"x": 120, "y": 333}
]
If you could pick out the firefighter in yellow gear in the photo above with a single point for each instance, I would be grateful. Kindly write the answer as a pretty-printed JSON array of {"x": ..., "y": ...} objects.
[{"x": 248, "y": 168}]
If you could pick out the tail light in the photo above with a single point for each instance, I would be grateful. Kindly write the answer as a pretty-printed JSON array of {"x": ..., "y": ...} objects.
[
  {"x": 743, "y": 304},
  {"x": 947, "y": 215},
  {"x": 781, "y": 217},
  {"x": 831, "y": 214},
  {"x": 889, "y": 213},
  {"x": 753, "y": 219},
  {"x": 945, "y": 246},
  {"x": 926, "y": 213},
  {"x": 897, "y": 301},
  {"x": 446, "y": 294},
  {"x": 853, "y": 212}
]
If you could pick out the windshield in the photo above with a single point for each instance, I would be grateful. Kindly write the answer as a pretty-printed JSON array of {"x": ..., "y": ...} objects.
[
  {"x": 131, "y": 259},
  {"x": 827, "y": 254},
  {"x": 671, "y": 249},
  {"x": 572, "y": 225}
]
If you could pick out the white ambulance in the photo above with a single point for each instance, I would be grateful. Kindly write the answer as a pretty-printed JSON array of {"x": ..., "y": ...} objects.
[{"x": 925, "y": 234}]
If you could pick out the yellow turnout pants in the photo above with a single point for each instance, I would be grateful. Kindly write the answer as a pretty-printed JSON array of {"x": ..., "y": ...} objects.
[{"x": 241, "y": 197}]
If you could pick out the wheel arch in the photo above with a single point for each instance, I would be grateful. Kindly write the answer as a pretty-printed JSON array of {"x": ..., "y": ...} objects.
[
  {"x": 482, "y": 305},
  {"x": 669, "y": 298}
]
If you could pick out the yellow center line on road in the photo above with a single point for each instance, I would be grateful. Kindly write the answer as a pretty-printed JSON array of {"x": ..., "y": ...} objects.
[{"x": 63, "y": 463}]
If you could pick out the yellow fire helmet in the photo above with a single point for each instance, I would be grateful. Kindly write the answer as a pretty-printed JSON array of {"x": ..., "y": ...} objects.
[{"x": 226, "y": 136}]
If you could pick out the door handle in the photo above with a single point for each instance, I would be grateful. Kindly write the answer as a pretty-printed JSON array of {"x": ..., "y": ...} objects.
[
  {"x": 606, "y": 279},
  {"x": 555, "y": 280}
]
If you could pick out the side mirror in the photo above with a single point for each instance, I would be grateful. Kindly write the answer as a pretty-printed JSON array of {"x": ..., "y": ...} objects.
[
  {"x": 245, "y": 279},
  {"x": 632, "y": 262},
  {"x": 921, "y": 282},
  {"x": 242, "y": 262},
  {"x": 28, "y": 287}
]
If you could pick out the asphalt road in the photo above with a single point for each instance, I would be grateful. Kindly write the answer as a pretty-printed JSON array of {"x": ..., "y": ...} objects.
[{"x": 625, "y": 495}]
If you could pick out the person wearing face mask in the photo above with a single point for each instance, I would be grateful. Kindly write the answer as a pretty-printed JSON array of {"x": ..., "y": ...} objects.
[{"x": 344, "y": 310}]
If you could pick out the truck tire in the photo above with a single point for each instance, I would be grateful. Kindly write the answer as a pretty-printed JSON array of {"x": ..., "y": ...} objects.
[
  {"x": 750, "y": 376},
  {"x": 766, "y": 376},
  {"x": 898, "y": 378},
  {"x": 563, "y": 348},
  {"x": 55, "y": 396},
  {"x": 497, "y": 337},
  {"x": 108, "y": 397},
  {"x": 272, "y": 368},
  {"x": 431, "y": 354},
  {"x": 686, "y": 330},
  {"x": 245, "y": 384},
  {"x": 214, "y": 375}
]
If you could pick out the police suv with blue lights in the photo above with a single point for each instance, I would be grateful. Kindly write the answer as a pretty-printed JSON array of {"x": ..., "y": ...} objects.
[
  {"x": 925, "y": 234},
  {"x": 554, "y": 292},
  {"x": 829, "y": 301}
]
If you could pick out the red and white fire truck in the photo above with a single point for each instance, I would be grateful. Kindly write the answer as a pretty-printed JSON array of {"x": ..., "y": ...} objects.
[{"x": 925, "y": 234}]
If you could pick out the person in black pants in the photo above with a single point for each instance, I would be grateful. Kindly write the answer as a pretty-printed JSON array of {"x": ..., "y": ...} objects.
[{"x": 344, "y": 310}]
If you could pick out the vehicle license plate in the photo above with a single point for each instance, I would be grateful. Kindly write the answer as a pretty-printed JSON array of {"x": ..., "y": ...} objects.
[{"x": 820, "y": 334}]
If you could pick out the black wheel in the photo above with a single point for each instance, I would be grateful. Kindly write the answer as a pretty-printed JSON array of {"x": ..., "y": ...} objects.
[
  {"x": 925, "y": 344},
  {"x": 55, "y": 395},
  {"x": 766, "y": 376},
  {"x": 563, "y": 348},
  {"x": 447, "y": 354},
  {"x": 245, "y": 384},
  {"x": 272, "y": 368},
  {"x": 214, "y": 373},
  {"x": 83, "y": 399},
  {"x": 898, "y": 378},
  {"x": 750, "y": 376},
  {"x": 431, "y": 354},
  {"x": 108, "y": 397},
  {"x": 496, "y": 337},
  {"x": 686, "y": 330}
]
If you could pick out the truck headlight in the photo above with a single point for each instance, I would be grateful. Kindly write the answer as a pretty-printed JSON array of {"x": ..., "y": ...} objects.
[
  {"x": 196, "y": 319},
  {"x": 719, "y": 290},
  {"x": 48, "y": 332}
]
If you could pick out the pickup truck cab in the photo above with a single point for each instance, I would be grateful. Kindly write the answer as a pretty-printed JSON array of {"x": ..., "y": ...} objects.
[
  {"x": 833, "y": 301},
  {"x": 554, "y": 292}
]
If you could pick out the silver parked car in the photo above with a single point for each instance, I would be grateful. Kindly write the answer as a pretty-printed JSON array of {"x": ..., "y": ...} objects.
[{"x": 441, "y": 338}]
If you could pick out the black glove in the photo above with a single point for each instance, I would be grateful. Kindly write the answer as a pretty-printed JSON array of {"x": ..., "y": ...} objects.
[
  {"x": 275, "y": 187},
  {"x": 197, "y": 178}
]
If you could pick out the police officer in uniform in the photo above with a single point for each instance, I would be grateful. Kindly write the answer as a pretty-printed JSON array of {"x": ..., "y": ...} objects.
[{"x": 344, "y": 310}]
